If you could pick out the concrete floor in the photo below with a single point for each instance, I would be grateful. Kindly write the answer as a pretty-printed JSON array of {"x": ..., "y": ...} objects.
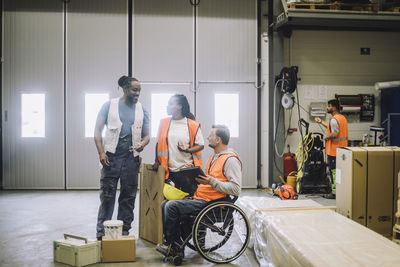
[{"x": 31, "y": 220}]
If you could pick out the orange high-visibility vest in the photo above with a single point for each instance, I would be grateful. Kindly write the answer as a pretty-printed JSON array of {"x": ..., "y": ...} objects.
[
  {"x": 207, "y": 192},
  {"x": 162, "y": 145},
  {"x": 341, "y": 140}
]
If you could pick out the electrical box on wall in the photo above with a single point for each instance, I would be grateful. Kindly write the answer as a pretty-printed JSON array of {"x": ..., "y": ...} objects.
[{"x": 368, "y": 107}]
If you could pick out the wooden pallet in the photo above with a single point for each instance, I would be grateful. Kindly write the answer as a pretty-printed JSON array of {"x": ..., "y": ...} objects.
[
  {"x": 397, "y": 218},
  {"x": 396, "y": 234},
  {"x": 336, "y": 6}
]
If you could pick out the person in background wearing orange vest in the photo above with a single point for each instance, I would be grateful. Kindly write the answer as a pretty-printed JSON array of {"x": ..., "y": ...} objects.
[
  {"x": 180, "y": 143},
  {"x": 337, "y": 135},
  {"x": 223, "y": 176}
]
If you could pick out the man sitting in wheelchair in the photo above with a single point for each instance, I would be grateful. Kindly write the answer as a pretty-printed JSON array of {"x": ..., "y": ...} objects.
[{"x": 223, "y": 177}]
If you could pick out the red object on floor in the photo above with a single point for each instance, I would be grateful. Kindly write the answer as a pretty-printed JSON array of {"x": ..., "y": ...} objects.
[{"x": 289, "y": 163}]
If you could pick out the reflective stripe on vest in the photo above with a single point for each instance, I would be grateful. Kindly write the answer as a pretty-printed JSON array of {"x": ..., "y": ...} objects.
[
  {"x": 341, "y": 139},
  {"x": 216, "y": 169},
  {"x": 162, "y": 145}
]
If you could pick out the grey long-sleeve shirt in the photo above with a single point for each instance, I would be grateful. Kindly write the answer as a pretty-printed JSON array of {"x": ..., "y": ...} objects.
[{"x": 232, "y": 171}]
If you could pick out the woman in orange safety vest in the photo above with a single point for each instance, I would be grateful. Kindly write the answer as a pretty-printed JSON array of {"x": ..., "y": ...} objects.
[{"x": 180, "y": 143}]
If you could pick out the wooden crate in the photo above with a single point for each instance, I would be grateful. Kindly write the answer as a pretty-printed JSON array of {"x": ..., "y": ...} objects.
[
  {"x": 396, "y": 234},
  {"x": 151, "y": 197},
  {"x": 336, "y": 6}
]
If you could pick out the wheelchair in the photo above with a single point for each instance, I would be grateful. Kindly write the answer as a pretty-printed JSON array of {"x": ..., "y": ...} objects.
[{"x": 220, "y": 232}]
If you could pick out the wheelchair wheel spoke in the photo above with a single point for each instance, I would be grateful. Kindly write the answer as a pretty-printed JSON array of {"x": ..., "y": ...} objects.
[{"x": 221, "y": 232}]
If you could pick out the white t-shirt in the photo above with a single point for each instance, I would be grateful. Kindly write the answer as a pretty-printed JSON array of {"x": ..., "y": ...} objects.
[{"x": 179, "y": 132}]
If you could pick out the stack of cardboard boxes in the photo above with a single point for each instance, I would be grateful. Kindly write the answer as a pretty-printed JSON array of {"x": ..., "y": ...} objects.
[
  {"x": 366, "y": 186},
  {"x": 79, "y": 251}
]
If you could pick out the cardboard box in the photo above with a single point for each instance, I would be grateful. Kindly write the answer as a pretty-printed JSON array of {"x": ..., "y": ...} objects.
[
  {"x": 151, "y": 197},
  {"x": 119, "y": 250},
  {"x": 365, "y": 186},
  {"x": 76, "y": 251},
  {"x": 351, "y": 183}
]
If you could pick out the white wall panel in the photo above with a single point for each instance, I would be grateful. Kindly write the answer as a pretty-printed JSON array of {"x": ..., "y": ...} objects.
[
  {"x": 163, "y": 40},
  {"x": 331, "y": 61},
  {"x": 246, "y": 143},
  {"x": 227, "y": 40},
  {"x": 33, "y": 62},
  {"x": 163, "y": 35},
  {"x": 226, "y": 62},
  {"x": 97, "y": 55}
]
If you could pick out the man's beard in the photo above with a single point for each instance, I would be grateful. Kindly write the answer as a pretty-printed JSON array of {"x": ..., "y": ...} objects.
[
  {"x": 210, "y": 145},
  {"x": 131, "y": 99},
  {"x": 329, "y": 111}
]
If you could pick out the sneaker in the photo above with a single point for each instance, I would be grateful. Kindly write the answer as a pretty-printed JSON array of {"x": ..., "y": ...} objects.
[{"x": 164, "y": 249}]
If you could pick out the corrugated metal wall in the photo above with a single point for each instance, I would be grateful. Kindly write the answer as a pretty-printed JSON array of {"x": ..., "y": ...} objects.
[
  {"x": 226, "y": 63},
  {"x": 171, "y": 47},
  {"x": 33, "y": 62},
  {"x": 97, "y": 55}
]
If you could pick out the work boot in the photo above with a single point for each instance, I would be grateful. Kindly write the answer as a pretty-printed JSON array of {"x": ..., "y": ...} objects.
[
  {"x": 177, "y": 251},
  {"x": 164, "y": 249}
]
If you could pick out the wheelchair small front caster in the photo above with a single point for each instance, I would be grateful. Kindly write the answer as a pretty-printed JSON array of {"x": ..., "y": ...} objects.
[{"x": 176, "y": 260}]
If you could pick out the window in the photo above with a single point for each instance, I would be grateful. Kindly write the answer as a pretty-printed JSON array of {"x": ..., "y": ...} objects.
[
  {"x": 227, "y": 112},
  {"x": 93, "y": 104},
  {"x": 159, "y": 103},
  {"x": 33, "y": 115}
]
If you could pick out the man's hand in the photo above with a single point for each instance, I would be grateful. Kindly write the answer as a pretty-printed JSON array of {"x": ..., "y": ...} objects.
[
  {"x": 201, "y": 179},
  {"x": 325, "y": 137},
  {"x": 139, "y": 147},
  {"x": 104, "y": 160},
  {"x": 318, "y": 120},
  {"x": 182, "y": 148}
]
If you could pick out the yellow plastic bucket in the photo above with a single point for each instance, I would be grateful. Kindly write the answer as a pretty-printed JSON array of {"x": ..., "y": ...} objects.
[{"x": 291, "y": 180}]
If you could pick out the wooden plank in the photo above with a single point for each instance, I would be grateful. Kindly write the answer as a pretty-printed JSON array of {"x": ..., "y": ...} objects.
[{"x": 151, "y": 197}]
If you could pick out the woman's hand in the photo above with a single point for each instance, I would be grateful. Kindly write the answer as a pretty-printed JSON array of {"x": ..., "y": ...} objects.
[
  {"x": 182, "y": 148},
  {"x": 188, "y": 165},
  {"x": 156, "y": 165}
]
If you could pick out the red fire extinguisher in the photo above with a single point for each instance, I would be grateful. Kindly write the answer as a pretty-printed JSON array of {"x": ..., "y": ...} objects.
[{"x": 289, "y": 163}]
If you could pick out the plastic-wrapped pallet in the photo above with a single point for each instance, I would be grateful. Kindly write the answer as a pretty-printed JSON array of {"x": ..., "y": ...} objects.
[
  {"x": 250, "y": 205},
  {"x": 319, "y": 238}
]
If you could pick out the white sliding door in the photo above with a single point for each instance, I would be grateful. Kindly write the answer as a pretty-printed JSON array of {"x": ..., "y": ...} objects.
[
  {"x": 33, "y": 128},
  {"x": 97, "y": 55},
  {"x": 163, "y": 56},
  {"x": 226, "y": 75}
]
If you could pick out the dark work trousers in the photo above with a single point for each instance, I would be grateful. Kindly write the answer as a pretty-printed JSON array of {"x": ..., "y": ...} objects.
[
  {"x": 182, "y": 183},
  {"x": 172, "y": 212},
  {"x": 125, "y": 167},
  {"x": 331, "y": 165}
]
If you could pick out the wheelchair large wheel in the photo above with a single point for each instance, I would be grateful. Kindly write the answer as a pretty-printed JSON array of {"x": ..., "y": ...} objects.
[{"x": 221, "y": 232}]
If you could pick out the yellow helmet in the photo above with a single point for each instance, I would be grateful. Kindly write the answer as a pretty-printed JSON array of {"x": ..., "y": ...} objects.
[{"x": 172, "y": 193}]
